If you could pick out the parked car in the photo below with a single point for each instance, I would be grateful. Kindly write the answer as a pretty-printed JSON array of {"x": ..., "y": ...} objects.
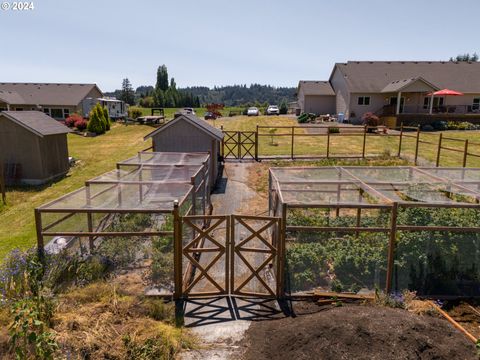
[
  {"x": 210, "y": 116},
  {"x": 253, "y": 111},
  {"x": 273, "y": 110},
  {"x": 189, "y": 110}
]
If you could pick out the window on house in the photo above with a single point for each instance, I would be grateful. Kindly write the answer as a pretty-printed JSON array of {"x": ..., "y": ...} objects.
[
  {"x": 18, "y": 109},
  {"x": 476, "y": 104},
  {"x": 56, "y": 113},
  {"x": 364, "y": 100},
  {"x": 3, "y": 109},
  {"x": 46, "y": 111},
  {"x": 437, "y": 101},
  {"x": 66, "y": 113}
]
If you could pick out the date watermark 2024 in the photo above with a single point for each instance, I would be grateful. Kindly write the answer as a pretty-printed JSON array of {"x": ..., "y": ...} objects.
[{"x": 17, "y": 6}]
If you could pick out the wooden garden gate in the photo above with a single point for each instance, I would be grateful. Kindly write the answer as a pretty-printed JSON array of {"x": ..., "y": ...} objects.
[
  {"x": 240, "y": 144},
  {"x": 230, "y": 255}
]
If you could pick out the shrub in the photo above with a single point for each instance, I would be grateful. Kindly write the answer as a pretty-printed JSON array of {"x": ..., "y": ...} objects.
[
  {"x": 283, "y": 107},
  {"x": 370, "y": 119},
  {"x": 134, "y": 112},
  {"x": 72, "y": 119},
  {"x": 81, "y": 124},
  {"x": 440, "y": 125},
  {"x": 427, "y": 127},
  {"x": 452, "y": 125},
  {"x": 106, "y": 116},
  {"x": 96, "y": 123}
]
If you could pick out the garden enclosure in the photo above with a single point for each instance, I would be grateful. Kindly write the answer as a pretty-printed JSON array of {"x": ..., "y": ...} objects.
[
  {"x": 359, "y": 229},
  {"x": 126, "y": 216}
]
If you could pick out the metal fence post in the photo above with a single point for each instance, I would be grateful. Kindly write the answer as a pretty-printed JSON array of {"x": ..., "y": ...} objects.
[
  {"x": 439, "y": 149},
  {"x": 177, "y": 251},
  {"x": 391, "y": 247}
]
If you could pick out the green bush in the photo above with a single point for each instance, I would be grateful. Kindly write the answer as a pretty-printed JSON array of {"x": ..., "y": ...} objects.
[
  {"x": 283, "y": 107},
  {"x": 96, "y": 122},
  {"x": 134, "y": 112}
]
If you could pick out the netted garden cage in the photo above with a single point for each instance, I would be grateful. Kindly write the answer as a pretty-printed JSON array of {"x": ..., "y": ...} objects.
[
  {"x": 125, "y": 217},
  {"x": 363, "y": 229}
]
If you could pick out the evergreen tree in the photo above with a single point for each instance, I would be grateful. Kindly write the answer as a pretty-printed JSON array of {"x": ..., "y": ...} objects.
[
  {"x": 162, "y": 78},
  {"x": 283, "y": 107},
  {"x": 95, "y": 122},
  {"x": 159, "y": 98},
  {"x": 106, "y": 115},
  {"x": 127, "y": 94}
]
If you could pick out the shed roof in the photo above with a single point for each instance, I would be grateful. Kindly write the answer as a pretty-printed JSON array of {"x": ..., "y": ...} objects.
[
  {"x": 202, "y": 125},
  {"x": 36, "y": 122},
  {"x": 316, "y": 87},
  {"x": 373, "y": 76},
  {"x": 45, "y": 93}
]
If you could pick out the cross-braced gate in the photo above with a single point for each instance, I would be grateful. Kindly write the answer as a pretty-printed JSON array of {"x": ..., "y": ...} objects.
[
  {"x": 231, "y": 254},
  {"x": 239, "y": 144}
]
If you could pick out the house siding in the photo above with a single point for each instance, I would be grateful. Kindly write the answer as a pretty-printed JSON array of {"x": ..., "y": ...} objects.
[
  {"x": 319, "y": 104},
  {"x": 342, "y": 98}
]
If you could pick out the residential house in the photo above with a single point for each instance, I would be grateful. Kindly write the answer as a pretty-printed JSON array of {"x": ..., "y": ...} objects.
[
  {"x": 396, "y": 88},
  {"x": 55, "y": 100},
  {"x": 33, "y": 147}
]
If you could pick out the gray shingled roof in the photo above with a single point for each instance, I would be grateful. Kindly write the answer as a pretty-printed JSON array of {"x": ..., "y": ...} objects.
[
  {"x": 316, "y": 87},
  {"x": 399, "y": 85},
  {"x": 36, "y": 122},
  {"x": 195, "y": 121},
  {"x": 44, "y": 94},
  {"x": 373, "y": 76}
]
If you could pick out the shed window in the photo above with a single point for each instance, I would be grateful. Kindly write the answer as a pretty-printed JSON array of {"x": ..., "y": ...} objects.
[{"x": 364, "y": 100}]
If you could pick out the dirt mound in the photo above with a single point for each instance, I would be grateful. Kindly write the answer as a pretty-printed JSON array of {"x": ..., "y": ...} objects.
[{"x": 357, "y": 332}]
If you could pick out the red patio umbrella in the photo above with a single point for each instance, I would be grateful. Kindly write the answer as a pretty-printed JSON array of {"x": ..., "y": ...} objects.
[{"x": 443, "y": 92}]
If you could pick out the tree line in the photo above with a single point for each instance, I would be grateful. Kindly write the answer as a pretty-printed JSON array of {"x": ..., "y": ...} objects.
[{"x": 166, "y": 94}]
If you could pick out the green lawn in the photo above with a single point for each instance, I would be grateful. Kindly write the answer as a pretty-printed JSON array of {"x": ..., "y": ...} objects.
[{"x": 96, "y": 156}]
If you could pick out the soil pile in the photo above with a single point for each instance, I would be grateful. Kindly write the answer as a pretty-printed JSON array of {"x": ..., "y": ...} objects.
[{"x": 357, "y": 332}]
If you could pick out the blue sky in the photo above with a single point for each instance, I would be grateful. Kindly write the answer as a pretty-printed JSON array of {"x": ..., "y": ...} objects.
[{"x": 213, "y": 42}]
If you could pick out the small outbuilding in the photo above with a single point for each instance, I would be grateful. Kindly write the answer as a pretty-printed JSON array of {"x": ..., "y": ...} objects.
[
  {"x": 188, "y": 133},
  {"x": 33, "y": 147}
]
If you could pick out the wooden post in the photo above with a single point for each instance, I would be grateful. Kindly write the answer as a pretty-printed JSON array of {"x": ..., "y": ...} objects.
[
  {"x": 222, "y": 151},
  {"x": 364, "y": 141},
  {"x": 239, "y": 147},
  {"x": 177, "y": 251},
  {"x": 328, "y": 143},
  {"x": 417, "y": 142},
  {"x": 391, "y": 247},
  {"x": 465, "y": 153},
  {"x": 2, "y": 184},
  {"x": 40, "y": 243},
  {"x": 256, "y": 144},
  {"x": 281, "y": 253},
  {"x": 91, "y": 245},
  {"x": 439, "y": 149},
  {"x": 293, "y": 139},
  {"x": 400, "y": 141}
]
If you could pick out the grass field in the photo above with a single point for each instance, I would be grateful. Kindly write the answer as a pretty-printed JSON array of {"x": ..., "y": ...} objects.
[{"x": 95, "y": 156}]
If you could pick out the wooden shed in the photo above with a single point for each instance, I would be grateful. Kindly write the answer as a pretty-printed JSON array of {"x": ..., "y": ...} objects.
[
  {"x": 33, "y": 147},
  {"x": 188, "y": 133}
]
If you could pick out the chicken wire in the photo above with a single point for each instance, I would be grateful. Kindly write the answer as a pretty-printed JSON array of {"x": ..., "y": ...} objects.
[{"x": 342, "y": 223}]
